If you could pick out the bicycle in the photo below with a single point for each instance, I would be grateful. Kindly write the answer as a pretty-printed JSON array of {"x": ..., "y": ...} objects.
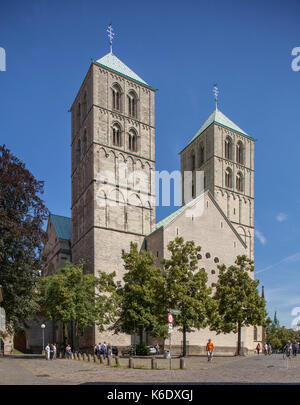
[{"x": 286, "y": 354}]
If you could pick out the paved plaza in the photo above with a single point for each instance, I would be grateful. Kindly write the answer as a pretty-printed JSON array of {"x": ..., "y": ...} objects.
[{"x": 35, "y": 370}]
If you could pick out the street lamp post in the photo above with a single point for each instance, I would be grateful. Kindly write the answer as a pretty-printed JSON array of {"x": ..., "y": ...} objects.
[{"x": 43, "y": 326}]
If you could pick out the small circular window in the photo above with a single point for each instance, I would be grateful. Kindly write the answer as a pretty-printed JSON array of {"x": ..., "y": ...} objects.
[
  {"x": 199, "y": 257},
  {"x": 213, "y": 272},
  {"x": 207, "y": 255},
  {"x": 216, "y": 260},
  {"x": 213, "y": 284}
]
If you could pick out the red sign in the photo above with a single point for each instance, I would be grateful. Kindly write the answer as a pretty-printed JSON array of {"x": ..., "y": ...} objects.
[{"x": 170, "y": 318}]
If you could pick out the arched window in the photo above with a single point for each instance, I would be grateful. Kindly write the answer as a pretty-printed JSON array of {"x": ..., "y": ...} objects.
[
  {"x": 117, "y": 135},
  {"x": 132, "y": 104},
  {"x": 84, "y": 144},
  {"x": 240, "y": 152},
  {"x": 201, "y": 155},
  {"x": 255, "y": 333},
  {"x": 228, "y": 148},
  {"x": 132, "y": 141},
  {"x": 116, "y": 97},
  {"x": 78, "y": 152},
  {"x": 228, "y": 178},
  {"x": 239, "y": 182}
]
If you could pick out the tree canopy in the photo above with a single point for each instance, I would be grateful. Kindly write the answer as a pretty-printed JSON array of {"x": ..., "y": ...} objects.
[
  {"x": 186, "y": 288},
  {"x": 22, "y": 214},
  {"x": 237, "y": 299},
  {"x": 72, "y": 296},
  {"x": 141, "y": 296}
]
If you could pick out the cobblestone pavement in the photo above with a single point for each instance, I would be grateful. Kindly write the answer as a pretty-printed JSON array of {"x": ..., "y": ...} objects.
[{"x": 29, "y": 369}]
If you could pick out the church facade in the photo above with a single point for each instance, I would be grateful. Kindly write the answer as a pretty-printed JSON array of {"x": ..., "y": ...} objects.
[{"x": 113, "y": 190}]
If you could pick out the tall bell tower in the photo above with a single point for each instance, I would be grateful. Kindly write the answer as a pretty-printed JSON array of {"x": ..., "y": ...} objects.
[
  {"x": 225, "y": 153},
  {"x": 113, "y": 165}
]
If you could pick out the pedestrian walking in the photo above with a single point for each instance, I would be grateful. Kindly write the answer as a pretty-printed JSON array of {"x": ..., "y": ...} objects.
[
  {"x": 51, "y": 351},
  {"x": 108, "y": 350},
  {"x": 269, "y": 349},
  {"x": 99, "y": 350},
  {"x": 209, "y": 349},
  {"x": 54, "y": 351},
  {"x": 295, "y": 348},
  {"x": 258, "y": 348},
  {"x": 157, "y": 348},
  {"x": 266, "y": 349},
  {"x": 68, "y": 351},
  {"x": 103, "y": 349},
  {"x": 95, "y": 349},
  {"x": 47, "y": 351}
]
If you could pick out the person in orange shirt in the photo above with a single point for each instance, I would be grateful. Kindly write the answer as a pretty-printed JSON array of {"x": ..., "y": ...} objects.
[{"x": 209, "y": 349}]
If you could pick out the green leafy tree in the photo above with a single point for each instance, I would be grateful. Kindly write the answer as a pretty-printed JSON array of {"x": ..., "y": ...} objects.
[
  {"x": 237, "y": 299},
  {"x": 278, "y": 335},
  {"x": 83, "y": 299},
  {"x": 22, "y": 214},
  {"x": 186, "y": 289},
  {"x": 141, "y": 296}
]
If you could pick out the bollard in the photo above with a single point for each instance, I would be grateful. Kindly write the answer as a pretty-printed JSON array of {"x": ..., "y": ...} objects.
[
  {"x": 131, "y": 362},
  {"x": 79, "y": 356},
  {"x": 83, "y": 356},
  {"x": 101, "y": 359},
  {"x": 182, "y": 363},
  {"x": 60, "y": 355},
  {"x": 117, "y": 360},
  {"x": 95, "y": 358},
  {"x": 153, "y": 363},
  {"x": 89, "y": 357},
  {"x": 109, "y": 360}
]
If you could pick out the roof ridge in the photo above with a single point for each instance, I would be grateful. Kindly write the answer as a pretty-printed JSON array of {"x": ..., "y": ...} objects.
[{"x": 111, "y": 61}]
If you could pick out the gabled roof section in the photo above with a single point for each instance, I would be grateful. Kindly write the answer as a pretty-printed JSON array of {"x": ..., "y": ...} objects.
[
  {"x": 166, "y": 221},
  {"x": 110, "y": 61},
  {"x": 62, "y": 225},
  {"x": 219, "y": 118}
]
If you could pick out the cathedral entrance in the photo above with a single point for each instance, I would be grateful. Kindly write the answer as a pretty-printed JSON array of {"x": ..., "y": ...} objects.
[{"x": 20, "y": 341}]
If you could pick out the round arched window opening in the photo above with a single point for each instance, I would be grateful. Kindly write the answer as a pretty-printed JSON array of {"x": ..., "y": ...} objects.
[
  {"x": 207, "y": 255},
  {"x": 216, "y": 260},
  {"x": 199, "y": 257}
]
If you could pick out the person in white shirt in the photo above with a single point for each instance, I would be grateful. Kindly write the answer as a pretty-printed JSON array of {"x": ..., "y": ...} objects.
[{"x": 47, "y": 350}]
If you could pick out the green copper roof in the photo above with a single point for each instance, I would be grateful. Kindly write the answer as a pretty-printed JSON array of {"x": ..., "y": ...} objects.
[
  {"x": 219, "y": 118},
  {"x": 112, "y": 62},
  {"x": 164, "y": 222},
  {"x": 63, "y": 226}
]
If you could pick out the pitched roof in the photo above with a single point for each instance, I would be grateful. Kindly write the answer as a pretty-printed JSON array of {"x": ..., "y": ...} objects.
[
  {"x": 112, "y": 62},
  {"x": 219, "y": 118},
  {"x": 170, "y": 218},
  {"x": 62, "y": 225}
]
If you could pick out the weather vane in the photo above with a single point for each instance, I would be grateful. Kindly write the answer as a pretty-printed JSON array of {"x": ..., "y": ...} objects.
[
  {"x": 110, "y": 35},
  {"x": 216, "y": 92}
]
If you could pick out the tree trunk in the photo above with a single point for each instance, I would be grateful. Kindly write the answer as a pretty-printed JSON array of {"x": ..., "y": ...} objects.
[
  {"x": 141, "y": 335},
  {"x": 65, "y": 334},
  {"x": 184, "y": 342},
  {"x": 239, "y": 348}
]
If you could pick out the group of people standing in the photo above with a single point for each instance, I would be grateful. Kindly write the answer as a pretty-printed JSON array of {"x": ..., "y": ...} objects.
[
  {"x": 50, "y": 351},
  {"x": 103, "y": 349},
  {"x": 289, "y": 348},
  {"x": 266, "y": 347}
]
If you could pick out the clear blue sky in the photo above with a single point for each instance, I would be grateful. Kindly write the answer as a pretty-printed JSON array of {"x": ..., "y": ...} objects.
[{"x": 181, "y": 48}]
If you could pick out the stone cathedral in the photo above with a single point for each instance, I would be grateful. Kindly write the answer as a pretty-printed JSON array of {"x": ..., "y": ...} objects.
[{"x": 113, "y": 192}]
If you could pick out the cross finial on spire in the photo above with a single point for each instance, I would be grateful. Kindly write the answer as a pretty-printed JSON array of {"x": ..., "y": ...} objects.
[
  {"x": 216, "y": 92},
  {"x": 110, "y": 35}
]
